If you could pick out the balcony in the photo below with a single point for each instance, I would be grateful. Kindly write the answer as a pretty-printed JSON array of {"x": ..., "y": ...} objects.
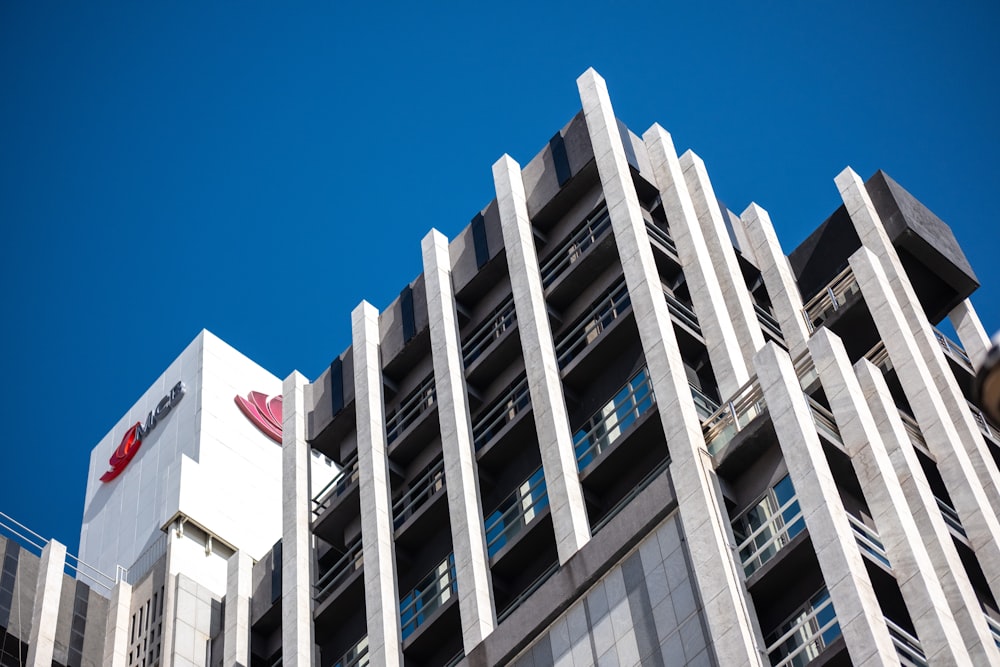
[
  {"x": 722, "y": 426},
  {"x": 339, "y": 573},
  {"x": 805, "y": 634},
  {"x": 661, "y": 240},
  {"x": 411, "y": 512},
  {"x": 769, "y": 325},
  {"x": 337, "y": 503},
  {"x": 503, "y": 419},
  {"x": 429, "y": 596},
  {"x": 613, "y": 419},
  {"x": 908, "y": 648},
  {"x": 604, "y": 314},
  {"x": 869, "y": 541},
  {"x": 952, "y": 520},
  {"x": 915, "y": 435},
  {"x": 768, "y": 527},
  {"x": 994, "y": 629},
  {"x": 356, "y": 656},
  {"x": 825, "y": 423},
  {"x": 834, "y": 297},
  {"x": 682, "y": 314},
  {"x": 492, "y": 343},
  {"x": 591, "y": 245},
  {"x": 954, "y": 351},
  {"x": 407, "y": 426},
  {"x": 986, "y": 427},
  {"x": 516, "y": 512}
]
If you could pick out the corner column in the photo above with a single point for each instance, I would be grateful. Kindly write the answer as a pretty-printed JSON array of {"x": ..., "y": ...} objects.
[
  {"x": 706, "y": 291},
  {"x": 843, "y": 567},
  {"x": 116, "y": 638},
  {"x": 897, "y": 528},
  {"x": 236, "y": 634},
  {"x": 48, "y": 589},
  {"x": 569, "y": 512},
  {"x": 971, "y": 333},
  {"x": 296, "y": 537},
  {"x": 378, "y": 550},
  {"x": 960, "y": 597},
  {"x": 957, "y": 469},
  {"x": 730, "y": 618},
  {"x": 739, "y": 304},
  {"x": 468, "y": 536}
]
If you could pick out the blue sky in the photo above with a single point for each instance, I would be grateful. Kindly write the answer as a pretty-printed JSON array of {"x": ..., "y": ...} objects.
[{"x": 257, "y": 169}]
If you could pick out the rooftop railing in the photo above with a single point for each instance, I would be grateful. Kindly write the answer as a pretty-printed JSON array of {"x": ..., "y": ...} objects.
[
  {"x": 593, "y": 229},
  {"x": 869, "y": 540},
  {"x": 953, "y": 350},
  {"x": 908, "y": 648},
  {"x": 612, "y": 305},
  {"x": 336, "y": 487},
  {"x": 503, "y": 317},
  {"x": 350, "y": 562},
  {"x": 436, "y": 588},
  {"x": 515, "y": 512},
  {"x": 831, "y": 299},
  {"x": 356, "y": 656},
  {"x": 800, "y": 639},
  {"x": 613, "y": 419},
  {"x": 419, "y": 400},
  {"x": 419, "y": 493},
  {"x": 503, "y": 411}
]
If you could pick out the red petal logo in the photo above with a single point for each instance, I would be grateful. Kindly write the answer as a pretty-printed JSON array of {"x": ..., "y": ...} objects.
[
  {"x": 265, "y": 414},
  {"x": 125, "y": 452}
]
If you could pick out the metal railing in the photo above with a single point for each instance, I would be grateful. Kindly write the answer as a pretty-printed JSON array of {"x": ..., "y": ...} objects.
[
  {"x": 985, "y": 426},
  {"x": 419, "y": 400},
  {"x": 428, "y": 596},
  {"x": 612, "y": 420},
  {"x": 831, "y": 299},
  {"x": 951, "y": 517},
  {"x": 704, "y": 405},
  {"x": 350, "y": 562},
  {"x": 824, "y": 421},
  {"x": 723, "y": 425},
  {"x": 662, "y": 237},
  {"x": 356, "y": 656},
  {"x": 336, "y": 486},
  {"x": 879, "y": 356},
  {"x": 908, "y": 648},
  {"x": 515, "y": 512},
  {"x": 953, "y": 350},
  {"x": 994, "y": 628},
  {"x": 803, "y": 636},
  {"x": 503, "y": 411},
  {"x": 768, "y": 323},
  {"x": 421, "y": 491},
  {"x": 35, "y": 544},
  {"x": 609, "y": 307},
  {"x": 869, "y": 540},
  {"x": 502, "y": 318},
  {"x": 914, "y": 433},
  {"x": 681, "y": 312},
  {"x": 593, "y": 230},
  {"x": 765, "y": 541}
]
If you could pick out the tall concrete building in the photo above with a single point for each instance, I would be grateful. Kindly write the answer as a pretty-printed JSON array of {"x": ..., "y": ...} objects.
[{"x": 611, "y": 423}]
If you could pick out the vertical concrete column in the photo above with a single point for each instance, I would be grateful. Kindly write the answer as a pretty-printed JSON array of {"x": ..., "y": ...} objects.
[
  {"x": 706, "y": 291},
  {"x": 956, "y": 467},
  {"x": 922, "y": 592},
  {"x": 45, "y": 614},
  {"x": 843, "y": 567},
  {"x": 731, "y": 621},
  {"x": 468, "y": 536},
  {"x": 116, "y": 638},
  {"x": 378, "y": 550},
  {"x": 236, "y": 634},
  {"x": 873, "y": 236},
  {"x": 726, "y": 267},
  {"x": 296, "y": 536},
  {"x": 971, "y": 333},
  {"x": 569, "y": 512},
  {"x": 959, "y": 595},
  {"x": 777, "y": 275}
]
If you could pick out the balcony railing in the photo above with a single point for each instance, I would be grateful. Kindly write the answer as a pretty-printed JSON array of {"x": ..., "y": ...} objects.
[
  {"x": 951, "y": 517},
  {"x": 914, "y": 433},
  {"x": 356, "y": 656},
  {"x": 503, "y": 317},
  {"x": 681, "y": 312},
  {"x": 987, "y": 428},
  {"x": 336, "y": 487},
  {"x": 831, "y": 299},
  {"x": 768, "y": 323},
  {"x": 604, "y": 312},
  {"x": 868, "y": 540},
  {"x": 705, "y": 406},
  {"x": 502, "y": 412},
  {"x": 953, "y": 350},
  {"x": 800, "y": 639},
  {"x": 879, "y": 356},
  {"x": 723, "y": 425},
  {"x": 994, "y": 629},
  {"x": 825, "y": 423},
  {"x": 421, "y": 491},
  {"x": 613, "y": 419},
  {"x": 908, "y": 648},
  {"x": 516, "y": 511},
  {"x": 420, "y": 399},
  {"x": 768, "y": 527},
  {"x": 661, "y": 237},
  {"x": 349, "y": 563},
  {"x": 436, "y": 588},
  {"x": 587, "y": 235}
]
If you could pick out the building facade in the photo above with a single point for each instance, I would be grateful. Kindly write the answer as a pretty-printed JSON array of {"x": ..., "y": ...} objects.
[{"x": 611, "y": 423}]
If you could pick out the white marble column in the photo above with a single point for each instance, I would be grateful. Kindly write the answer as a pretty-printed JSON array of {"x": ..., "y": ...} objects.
[
  {"x": 296, "y": 538},
  {"x": 378, "y": 549},
  {"x": 959, "y": 595},
  {"x": 45, "y": 614},
  {"x": 706, "y": 291},
  {"x": 116, "y": 637},
  {"x": 897, "y": 528},
  {"x": 236, "y": 634},
  {"x": 728, "y": 612},
  {"x": 843, "y": 567},
  {"x": 971, "y": 334},
  {"x": 468, "y": 536}
]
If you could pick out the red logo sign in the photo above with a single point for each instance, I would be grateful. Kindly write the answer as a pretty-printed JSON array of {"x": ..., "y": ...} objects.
[
  {"x": 133, "y": 437},
  {"x": 265, "y": 414}
]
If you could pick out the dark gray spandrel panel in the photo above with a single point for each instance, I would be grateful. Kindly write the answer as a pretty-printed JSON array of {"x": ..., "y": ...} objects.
[
  {"x": 95, "y": 630},
  {"x": 576, "y": 139}
]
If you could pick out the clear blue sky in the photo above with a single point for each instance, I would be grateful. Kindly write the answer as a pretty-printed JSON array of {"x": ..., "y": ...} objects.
[{"x": 257, "y": 169}]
